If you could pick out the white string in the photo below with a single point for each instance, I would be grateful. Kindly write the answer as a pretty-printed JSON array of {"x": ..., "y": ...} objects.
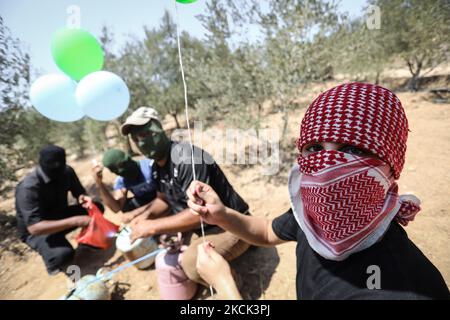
[
  {"x": 185, "y": 92},
  {"x": 187, "y": 116}
]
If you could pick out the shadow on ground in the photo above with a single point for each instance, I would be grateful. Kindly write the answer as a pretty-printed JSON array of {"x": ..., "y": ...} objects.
[
  {"x": 254, "y": 270},
  {"x": 9, "y": 240},
  {"x": 119, "y": 290},
  {"x": 91, "y": 259}
]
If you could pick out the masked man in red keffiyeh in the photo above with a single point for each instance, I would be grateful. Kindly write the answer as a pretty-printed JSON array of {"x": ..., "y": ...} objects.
[{"x": 345, "y": 208}]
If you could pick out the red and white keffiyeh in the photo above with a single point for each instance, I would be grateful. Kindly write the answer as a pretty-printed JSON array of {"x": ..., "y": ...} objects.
[{"x": 345, "y": 203}]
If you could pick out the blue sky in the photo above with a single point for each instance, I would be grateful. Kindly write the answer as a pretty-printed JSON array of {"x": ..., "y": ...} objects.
[{"x": 35, "y": 21}]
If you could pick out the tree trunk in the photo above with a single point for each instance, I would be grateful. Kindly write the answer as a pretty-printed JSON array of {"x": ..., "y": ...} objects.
[
  {"x": 258, "y": 120},
  {"x": 174, "y": 115},
  {"x": 377, "y": 78},
  {"x": 413, "y": 83},
  {"x": 285, "y": 118}
]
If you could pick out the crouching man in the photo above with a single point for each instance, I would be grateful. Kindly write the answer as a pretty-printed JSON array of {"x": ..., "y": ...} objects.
[{"x": 43, "y": 214}]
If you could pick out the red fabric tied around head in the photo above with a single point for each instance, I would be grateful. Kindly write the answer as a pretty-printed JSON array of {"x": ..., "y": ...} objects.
[
  {"x": 100, "y": 232},
  {"x": 345, "y": 203},
  {"x": 362, "y": 115}
]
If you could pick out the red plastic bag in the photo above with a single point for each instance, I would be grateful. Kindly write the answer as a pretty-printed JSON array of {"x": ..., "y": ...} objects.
[{"x": 100, "y": 232}]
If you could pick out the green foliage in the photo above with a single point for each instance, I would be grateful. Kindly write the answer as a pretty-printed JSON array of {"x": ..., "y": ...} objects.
[
  {"x": 416, "y": 31},
  {"x": 14, "y": 118},
  {"x": 360, "y": 52},
  {"x": 229, "y": 76},
  {"x": 293, "y": 51}
]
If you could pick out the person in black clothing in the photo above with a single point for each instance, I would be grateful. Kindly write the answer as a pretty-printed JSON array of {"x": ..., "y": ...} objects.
[
  {"x": 43, "y": 214},
  {"x": 172, "y": 173},
  {"x": 346, "y": 214}
]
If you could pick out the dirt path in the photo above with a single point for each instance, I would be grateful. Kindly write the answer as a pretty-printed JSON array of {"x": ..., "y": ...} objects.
[{"x": 426, "y": 174}]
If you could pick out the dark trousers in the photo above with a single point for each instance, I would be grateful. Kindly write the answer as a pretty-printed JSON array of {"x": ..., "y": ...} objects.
[{"x": 55, "y": 250}]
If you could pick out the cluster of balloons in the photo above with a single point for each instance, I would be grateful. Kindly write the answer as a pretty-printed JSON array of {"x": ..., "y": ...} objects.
[{"x": 84, "y": 89}]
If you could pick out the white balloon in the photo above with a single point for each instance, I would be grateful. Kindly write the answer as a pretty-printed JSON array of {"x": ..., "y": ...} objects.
[
  {"x": 53, "y": 95},
  {"x": 102, "y": 95}
]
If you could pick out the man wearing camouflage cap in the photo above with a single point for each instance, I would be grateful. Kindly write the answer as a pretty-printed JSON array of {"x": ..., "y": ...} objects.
[{"x": 172, "y": 173}]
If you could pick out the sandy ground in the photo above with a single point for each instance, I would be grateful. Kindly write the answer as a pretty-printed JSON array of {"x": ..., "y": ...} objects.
[{"x": 263, "y": 273}]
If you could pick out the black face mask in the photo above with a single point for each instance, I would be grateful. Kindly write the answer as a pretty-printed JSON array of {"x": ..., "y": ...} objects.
[
  {"x": 128, "y": 169},
  {"x": 52, "y": 160}
]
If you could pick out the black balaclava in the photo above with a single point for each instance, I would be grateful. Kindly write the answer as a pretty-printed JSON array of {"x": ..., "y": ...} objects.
[{"x": 52, "y": 160}]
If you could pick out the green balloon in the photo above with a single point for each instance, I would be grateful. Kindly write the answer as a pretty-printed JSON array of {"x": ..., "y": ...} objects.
[
  {"x": 76, "y": 52},
  {"x": 186, "y": 1}
]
